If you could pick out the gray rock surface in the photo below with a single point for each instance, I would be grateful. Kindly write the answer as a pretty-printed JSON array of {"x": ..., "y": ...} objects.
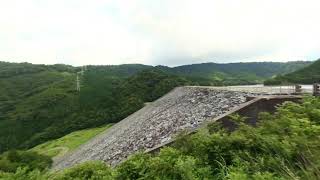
[{"x": 181, "y": 109}]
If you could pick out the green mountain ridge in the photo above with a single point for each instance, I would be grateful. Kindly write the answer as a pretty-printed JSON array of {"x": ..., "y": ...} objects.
[
  {"x": 307, "y": 75},
  {"x": 234, "y": 73},
  {"x": 40, "y": 102}
]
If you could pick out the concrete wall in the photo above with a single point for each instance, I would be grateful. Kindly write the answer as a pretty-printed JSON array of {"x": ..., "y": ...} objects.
[{"x": 251, "y": 110}]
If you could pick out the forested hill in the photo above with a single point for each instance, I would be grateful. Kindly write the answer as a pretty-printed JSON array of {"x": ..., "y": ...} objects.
[
  {"x": 40, "y": 102},
  {"x": 307, "y": 75},
  {"x": 234, "y": 73}
]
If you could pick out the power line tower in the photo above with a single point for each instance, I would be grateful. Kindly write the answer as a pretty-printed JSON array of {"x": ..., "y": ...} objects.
[
  {"x": 78, "y": 80},
  {"x": 78, "y": 83}
]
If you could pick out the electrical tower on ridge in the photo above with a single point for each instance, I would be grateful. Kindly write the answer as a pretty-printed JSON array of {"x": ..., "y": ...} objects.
[{"x": 78, "y": 80}]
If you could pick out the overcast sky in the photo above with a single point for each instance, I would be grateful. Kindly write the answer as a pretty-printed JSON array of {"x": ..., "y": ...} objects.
[{"x": 166, "y": 32}]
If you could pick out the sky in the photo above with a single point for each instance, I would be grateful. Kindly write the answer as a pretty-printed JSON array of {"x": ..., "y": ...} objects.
[{"x": 158, "y": 32}]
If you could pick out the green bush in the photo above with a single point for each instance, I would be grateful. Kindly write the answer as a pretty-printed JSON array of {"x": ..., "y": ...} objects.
[
  {"x": 24, "y": 174},
  {"x": 86, "y": 171},
  {"x": 134, "y": 168},
  {"x": 169, "y": 164},
  {"x": 12, "y": 160}
]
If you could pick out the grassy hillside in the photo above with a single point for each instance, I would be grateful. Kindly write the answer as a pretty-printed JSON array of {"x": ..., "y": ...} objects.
[
  {"x": 306, "y": 75},
  {"x": 67, "y": 143}
]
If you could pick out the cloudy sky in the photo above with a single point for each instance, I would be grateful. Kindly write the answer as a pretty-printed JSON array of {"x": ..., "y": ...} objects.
[{"x": 166, "y": 32}]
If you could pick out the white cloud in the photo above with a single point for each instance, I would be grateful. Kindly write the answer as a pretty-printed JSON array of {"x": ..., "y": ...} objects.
[{"x": 169, "y": 32}]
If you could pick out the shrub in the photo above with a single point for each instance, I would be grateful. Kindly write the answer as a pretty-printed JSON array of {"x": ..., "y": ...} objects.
[
  {"x": 24, "y": 174},
  {"x": 10, "y": 161},
  {"x": 87, "y": 171}
]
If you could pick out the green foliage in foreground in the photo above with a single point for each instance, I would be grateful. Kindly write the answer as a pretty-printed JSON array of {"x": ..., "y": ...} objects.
[
  {"x": 12, "y": 160},
  {"x": 284, "y": 146},
  {"x": 70, "y": 142},
  {"x": 89, "y": 170}
]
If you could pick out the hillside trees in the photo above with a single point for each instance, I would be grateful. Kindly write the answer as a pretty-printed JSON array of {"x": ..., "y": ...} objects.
[
  {"x": 45, "y": 105},
  {"x": 234, "y": 73},
  {"x": 40, "y": 102},
  {"x": 307, "y": 75}
]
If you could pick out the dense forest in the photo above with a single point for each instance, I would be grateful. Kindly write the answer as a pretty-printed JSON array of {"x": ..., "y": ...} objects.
[
  {"x": 284, "y": 145},
  {"x": 40, "y": 102},
  {"x": 43, "y": 104},
  {"x": 306, "y": 75}
]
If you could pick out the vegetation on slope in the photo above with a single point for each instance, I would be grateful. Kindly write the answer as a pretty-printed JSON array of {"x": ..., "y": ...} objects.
[
  {"x": 32, "y": 98},
  {"x": 11, "y": 161},
  {"x": 67, "y": 143},
  {"x": 39, "y": 102},
  {"x": 283, "y": 146},
  {"x": 307, "y": 75}
]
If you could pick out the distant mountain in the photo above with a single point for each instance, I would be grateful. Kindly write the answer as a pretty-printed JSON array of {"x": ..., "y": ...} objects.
[
  {"x": 307, "y": 75},
  {"x": 234, "y": 73},
  {"x": 40, "y": 102}
]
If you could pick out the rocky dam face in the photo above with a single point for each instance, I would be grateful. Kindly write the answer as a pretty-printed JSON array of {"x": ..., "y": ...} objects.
[{"x": 184, "y": 108}]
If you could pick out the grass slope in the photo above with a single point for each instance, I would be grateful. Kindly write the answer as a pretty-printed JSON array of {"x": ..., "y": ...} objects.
[{"x": 59, "y": 147}]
